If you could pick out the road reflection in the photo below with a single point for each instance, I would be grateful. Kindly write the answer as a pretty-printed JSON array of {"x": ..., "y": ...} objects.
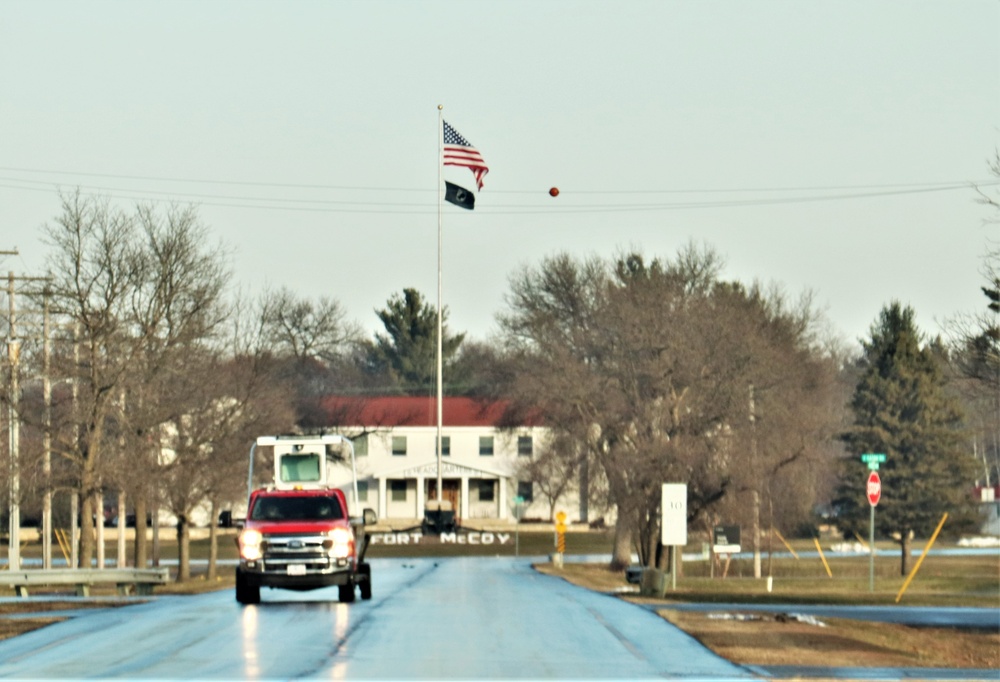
[
  {"x": 251, "y": 653},
  {"x": 304, "y": 630},
  {"x": 341, "y": 628}
]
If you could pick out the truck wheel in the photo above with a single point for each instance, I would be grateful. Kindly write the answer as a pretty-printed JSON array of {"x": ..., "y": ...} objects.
[
  {"x": 365, "y": 580},
  {"x": 346, "y": 593},
  {"x": 246, "y": 593}
]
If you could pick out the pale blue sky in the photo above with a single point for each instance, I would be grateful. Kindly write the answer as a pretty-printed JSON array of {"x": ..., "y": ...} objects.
[{"x": 307, "y": 133}]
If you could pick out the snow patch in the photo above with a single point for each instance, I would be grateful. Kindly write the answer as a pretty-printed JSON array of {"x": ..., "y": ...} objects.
[
  {"x": 850, "y": 548},
  {"x": 776, "y": 617},
  {"x": 991, "y": 541}
]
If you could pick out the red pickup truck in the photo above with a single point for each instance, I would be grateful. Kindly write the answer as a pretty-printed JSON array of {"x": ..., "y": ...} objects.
[{"x": 301, "y": 540}]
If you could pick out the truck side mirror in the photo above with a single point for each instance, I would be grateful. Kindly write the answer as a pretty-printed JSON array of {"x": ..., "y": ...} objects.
[{"x": 371, "y": 518}]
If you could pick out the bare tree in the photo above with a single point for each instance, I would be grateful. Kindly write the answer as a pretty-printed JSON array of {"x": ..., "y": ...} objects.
[
  {"x": 134, "y": 286},
  {"x": 315, "y": 344},
  {"x": 225, "y": 403},
  {"x": 975, "y": 348},
  {"x": 554, "y": 470},
  {"x": 307, "y": 330},
  {"x": 651, "y": 366}
]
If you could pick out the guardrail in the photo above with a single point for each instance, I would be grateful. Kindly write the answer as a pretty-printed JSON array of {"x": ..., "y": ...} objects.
[{"x": 142, "y": 580}]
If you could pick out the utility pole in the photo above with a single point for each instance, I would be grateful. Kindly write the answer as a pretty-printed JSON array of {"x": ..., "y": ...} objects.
[
  {"x": 47, "y": 437},
  {"x": 755, "y": 473},
  {"x": 13, "y": 432},
  {"x": 14, "y": 421},
  {"x": 74, "y": 500}
]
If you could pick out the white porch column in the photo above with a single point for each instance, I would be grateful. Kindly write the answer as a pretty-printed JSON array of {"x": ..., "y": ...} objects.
[
  {"x": 421, "y": 504},
  {"x": 465, "y": 497},
  {"x": 382, "y": 507},
  {"x": 503, "y": 498}
]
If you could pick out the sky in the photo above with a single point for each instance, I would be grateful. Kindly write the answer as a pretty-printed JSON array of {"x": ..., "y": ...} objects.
[{"x": 829, "y": 148}]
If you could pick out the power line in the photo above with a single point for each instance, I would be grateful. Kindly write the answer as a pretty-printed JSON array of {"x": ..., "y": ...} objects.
[
  {"x": 376, "y": 188},
  {"x": 564, "y": 206},
  {"x": 201, "y": 181},
  {"x": 213, "y": 197}
]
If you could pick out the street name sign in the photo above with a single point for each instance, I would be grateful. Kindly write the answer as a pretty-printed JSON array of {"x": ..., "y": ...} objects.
[{"x": 873, "y": 459}]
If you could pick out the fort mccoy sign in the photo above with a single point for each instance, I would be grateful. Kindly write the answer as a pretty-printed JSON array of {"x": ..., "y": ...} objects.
[{"x": 416, "y": 538}]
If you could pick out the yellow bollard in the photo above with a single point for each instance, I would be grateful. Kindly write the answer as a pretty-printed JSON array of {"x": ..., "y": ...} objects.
[
  {"x": 63, "y": 539},
  {"x": 775, "y": 530},
  {"x": 560, "y": 536},
  {"x": 916, "y": 568},
  {"x": 825, "y": 565}
]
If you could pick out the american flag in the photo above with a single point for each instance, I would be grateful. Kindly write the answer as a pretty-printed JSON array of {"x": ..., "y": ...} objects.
[{"x": 458, "y": 152}]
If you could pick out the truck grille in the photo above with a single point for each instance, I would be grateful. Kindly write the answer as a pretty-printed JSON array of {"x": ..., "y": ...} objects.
[{"x": 305, "y": 554}]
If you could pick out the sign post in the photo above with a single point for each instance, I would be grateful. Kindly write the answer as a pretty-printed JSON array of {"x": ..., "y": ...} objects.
[
  {"x": 561, "y": 532},
  {"x": 518, "y": 513},
  {"x": 873, "y": 490},
  {"x": 673, "y": 524}
]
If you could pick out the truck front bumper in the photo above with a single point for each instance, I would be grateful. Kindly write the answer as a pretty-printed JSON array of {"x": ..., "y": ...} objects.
[{"x": 297, "y": 582}]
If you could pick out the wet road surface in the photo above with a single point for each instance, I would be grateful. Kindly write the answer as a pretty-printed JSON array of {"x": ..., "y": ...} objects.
[
  {"x": 464, "y": 618},
  {"x": 428, "y": 619}
]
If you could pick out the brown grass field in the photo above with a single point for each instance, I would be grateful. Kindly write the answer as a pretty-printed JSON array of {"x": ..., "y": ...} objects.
[{"x": 775, "y": 639}]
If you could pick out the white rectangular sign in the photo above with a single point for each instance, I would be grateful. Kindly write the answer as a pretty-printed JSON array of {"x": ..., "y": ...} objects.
[{"x": 673, "y": 506}]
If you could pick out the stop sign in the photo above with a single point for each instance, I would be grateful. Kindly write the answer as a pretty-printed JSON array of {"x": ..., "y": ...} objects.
[{"x": 874, "y": 488}]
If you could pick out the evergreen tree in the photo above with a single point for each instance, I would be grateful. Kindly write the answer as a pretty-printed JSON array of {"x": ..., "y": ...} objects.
[
  {"x": 901, "y": 409},
  {"x": 407, "y": 352}
]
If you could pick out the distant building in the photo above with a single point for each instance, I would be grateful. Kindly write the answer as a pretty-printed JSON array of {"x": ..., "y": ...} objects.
[{"x": 395, "y": 442}]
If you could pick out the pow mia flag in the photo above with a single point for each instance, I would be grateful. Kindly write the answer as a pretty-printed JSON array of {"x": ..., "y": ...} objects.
[{"x": 459, "y": 196}]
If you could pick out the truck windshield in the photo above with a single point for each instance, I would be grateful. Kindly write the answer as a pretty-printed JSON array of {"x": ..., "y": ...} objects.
[
  {"x": 296, "y": 508},
  {"x": 302, "y": 467}
]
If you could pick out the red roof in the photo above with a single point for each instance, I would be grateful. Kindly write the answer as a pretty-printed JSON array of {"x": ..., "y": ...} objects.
[{"x": 409, "y": 411}]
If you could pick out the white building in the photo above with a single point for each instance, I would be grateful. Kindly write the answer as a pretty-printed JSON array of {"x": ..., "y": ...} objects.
[{"x": 395, "y": 442}]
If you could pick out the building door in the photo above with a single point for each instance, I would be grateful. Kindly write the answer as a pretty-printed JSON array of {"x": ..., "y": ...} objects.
[{"x": 452, "y": 493}]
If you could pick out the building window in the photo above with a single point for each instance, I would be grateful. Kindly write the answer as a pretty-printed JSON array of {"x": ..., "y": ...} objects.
[
  {"x": 398, "y": 490},
  {"x": 486, "y": 446},
  {"x": 524, "y": 446},
  {"x": 360, "y": 444},
  {"x": 399, "y": 445},
  {"x": 486, "y": 491},
  {"x": 526, "y": 490},
  {"x": 362, "y": 491},
  {"x": 445, "y": 445}
]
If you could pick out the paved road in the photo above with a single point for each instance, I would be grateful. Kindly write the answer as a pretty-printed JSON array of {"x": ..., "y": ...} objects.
[
  {"x": 469, "y": 618},
  {"x": 452, "y": 619}
]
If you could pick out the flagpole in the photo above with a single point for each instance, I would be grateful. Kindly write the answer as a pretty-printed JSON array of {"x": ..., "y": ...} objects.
[{"x": 440, "y": 383}]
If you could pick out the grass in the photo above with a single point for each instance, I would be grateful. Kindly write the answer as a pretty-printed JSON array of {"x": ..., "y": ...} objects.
[
  {"x": 952, "y": 581},
  {"x": 841, "y": 643},
  {"x": 967, "y": 580},
  {"x": 768, "y": 638},
  {"x": 11, "y": 627}
]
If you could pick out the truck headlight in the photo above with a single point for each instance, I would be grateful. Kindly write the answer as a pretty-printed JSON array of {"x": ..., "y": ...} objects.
[
  {"x": 341, "y": 543},
  {"x": 251, "y": 542}
]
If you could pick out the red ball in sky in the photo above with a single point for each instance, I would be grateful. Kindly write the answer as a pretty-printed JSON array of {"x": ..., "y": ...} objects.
[{"x": 554, "y": 192}]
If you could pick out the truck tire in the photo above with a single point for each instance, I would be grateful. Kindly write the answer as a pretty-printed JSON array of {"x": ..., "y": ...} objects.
[
  {"x": 346, "y": 593},
  {"x": 365, "y": 580},
  {"x": 246, "y": 593}
]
